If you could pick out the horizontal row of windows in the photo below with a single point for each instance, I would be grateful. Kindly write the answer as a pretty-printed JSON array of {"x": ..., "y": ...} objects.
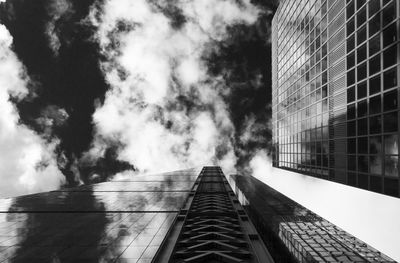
[{"x": 386, "y": 144}]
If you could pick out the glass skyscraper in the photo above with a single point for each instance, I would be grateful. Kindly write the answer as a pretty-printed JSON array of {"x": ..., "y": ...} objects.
[
  {"x": 292, "y": 233},
  {"x": 183, "y": 216},
  {"x": 335, "y": 92},
  {"x": 118, "y": 221}
]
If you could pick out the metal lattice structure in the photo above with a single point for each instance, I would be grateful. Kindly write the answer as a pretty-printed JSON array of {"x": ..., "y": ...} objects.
[{"x": 213, "y": 227}]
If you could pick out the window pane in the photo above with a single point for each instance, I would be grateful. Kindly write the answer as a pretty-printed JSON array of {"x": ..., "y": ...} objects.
[
  {"x": 351, "y": 145},
  {"x": 375, "y": 104},
  {"x": 351, "y": 163},
  {"x": 391, "y": 186},
  {"x": 391, "y": 144},
  {"x": 361, "y": 16},
  {"x": 361, "y": 53},
  {"x": 375, "y": 124},
  {"x": 374, "y": 44},
  {"x": 374, "y": 24},
  {"x": 390, "y": 100},
  {"x": 351, "y": 94},
  {"x": 351, "y": 111},
  {"x": 390, "y": 56},
  {"x": 351, "y": 179},
  {"x": 363, "y": 145},
  {"x": 375, "y": 65},
  {"x": 375, "y": 145},
  {"x": 350, "y": 27},
  {"x": 390, "y": 122},
  {"x": 350, "y": 43},
  {"x": 363, "y": 163},
  {"x": 361, "y": 35},
  {"x": 389, "y": 35},
  {"x": 351, "y": 128},
  {"x": 390, "y": 79},
  {"x": 363, "y": 181},
  {"x": 391, "y": 169},
  {"x": 362, "y": 71},
  {"x": 375, "y": 182},
  {"x": 362, "y": 90},
  {"x": 350, "y": 60},
  {"x": 389, "y": 13},
  {"x": 374, "y": 85},
  {"x": 374, "y": 6},
  {"x": 362, "y": 127},
  {"x": 350, "y": 77}
]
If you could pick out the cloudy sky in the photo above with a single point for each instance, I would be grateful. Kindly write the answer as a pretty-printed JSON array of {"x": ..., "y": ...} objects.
[{"x": 90, "y": 89}]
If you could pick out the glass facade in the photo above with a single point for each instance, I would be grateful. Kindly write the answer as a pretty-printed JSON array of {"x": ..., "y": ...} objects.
[
  {"x": 292, "y": 233},
  {"x": 335, "y": 92},
  {"x": 118, "y": 221}
]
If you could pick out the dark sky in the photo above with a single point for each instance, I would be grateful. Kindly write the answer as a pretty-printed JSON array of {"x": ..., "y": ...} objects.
[{"x": 56, "y": 43}]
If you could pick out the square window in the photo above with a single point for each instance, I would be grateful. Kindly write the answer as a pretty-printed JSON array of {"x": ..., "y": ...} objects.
[
  {"x": 374, "y": 45},
  {"x": 350, "y": 27},
  {"x": 351, "y": 128},
  {"x": 362, "y": 90},
  {"x": 363, "y": 181},
  {"x": 350, "y": 60},
  {"x": 390, "y": 122},
  {"x": 361, "y": 35},
  {"x": 391, "y": 166},
  {"x": 324, "y": 91},
  {"x": 351, "y": 94},
  {"x": 363, "y": 163},
  {"x": 351, "y": 163},
  {"x": 375, "y": 104},
  {"x": 323, "y": 9},
  {"x": 362, "y": 53},
  {"x": 350, "y": 77},
  {"x": 375, "y": 164},
  {"x": 351, "y": 179},
  {"x": 391, "y": 186},
  {"x": 389, "y": 13},
  {"x": 373, "y": 7},
  {"x": 391, "y": 144},
  {"x": 389, "y": 35},
  {"x": 362, "y": 71},
  {"x": 390, "y": 79},
  {"x": 362, "y": 145},
  {"x": 362, "y": 127},
  {"x": 375, "y": 65},
  {"x": 374, "y": 24},
  {"x": 375, "y": 124},
  {"x": 375, "y": 145},
  {"x": 361, "y": 16},
  {"x": 351, "y": 111},
  {"x": 360, "y": 3},
  {"x": 390, "y": 56},
  {"x": 390, "y": 100},
  {"x": 350, "y": 43},
  {"x": 374, "y": 85},
  {"x": 375, "y": 183}
]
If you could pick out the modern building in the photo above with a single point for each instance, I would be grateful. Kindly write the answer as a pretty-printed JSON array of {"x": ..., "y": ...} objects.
[
  {"x": 335, "y": 91},
  {"x": 183, "y": 216},
  {"x": 293, "y": 233}
]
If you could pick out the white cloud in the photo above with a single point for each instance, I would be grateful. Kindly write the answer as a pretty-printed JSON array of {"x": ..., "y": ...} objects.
[
  {"x": 145, "y": 111},
  {"x": 57, "y": 9},
  {"x": 369, "y": 216},
  {"x": 27, "y": 162}
]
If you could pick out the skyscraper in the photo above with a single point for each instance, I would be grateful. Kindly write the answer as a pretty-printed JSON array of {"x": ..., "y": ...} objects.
[
  {"x": 120, "y": 220},
  {"x": 292, "y": 233},
  {"x": 182, "y": 216},
  {"x": 335, "y": 67}
]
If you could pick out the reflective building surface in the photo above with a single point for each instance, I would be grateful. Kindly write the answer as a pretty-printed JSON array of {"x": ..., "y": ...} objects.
[
  {"x": 119, "y": 221},
  {"x": 335, "y": 67},
  {"x": 293, "y": 233}
]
